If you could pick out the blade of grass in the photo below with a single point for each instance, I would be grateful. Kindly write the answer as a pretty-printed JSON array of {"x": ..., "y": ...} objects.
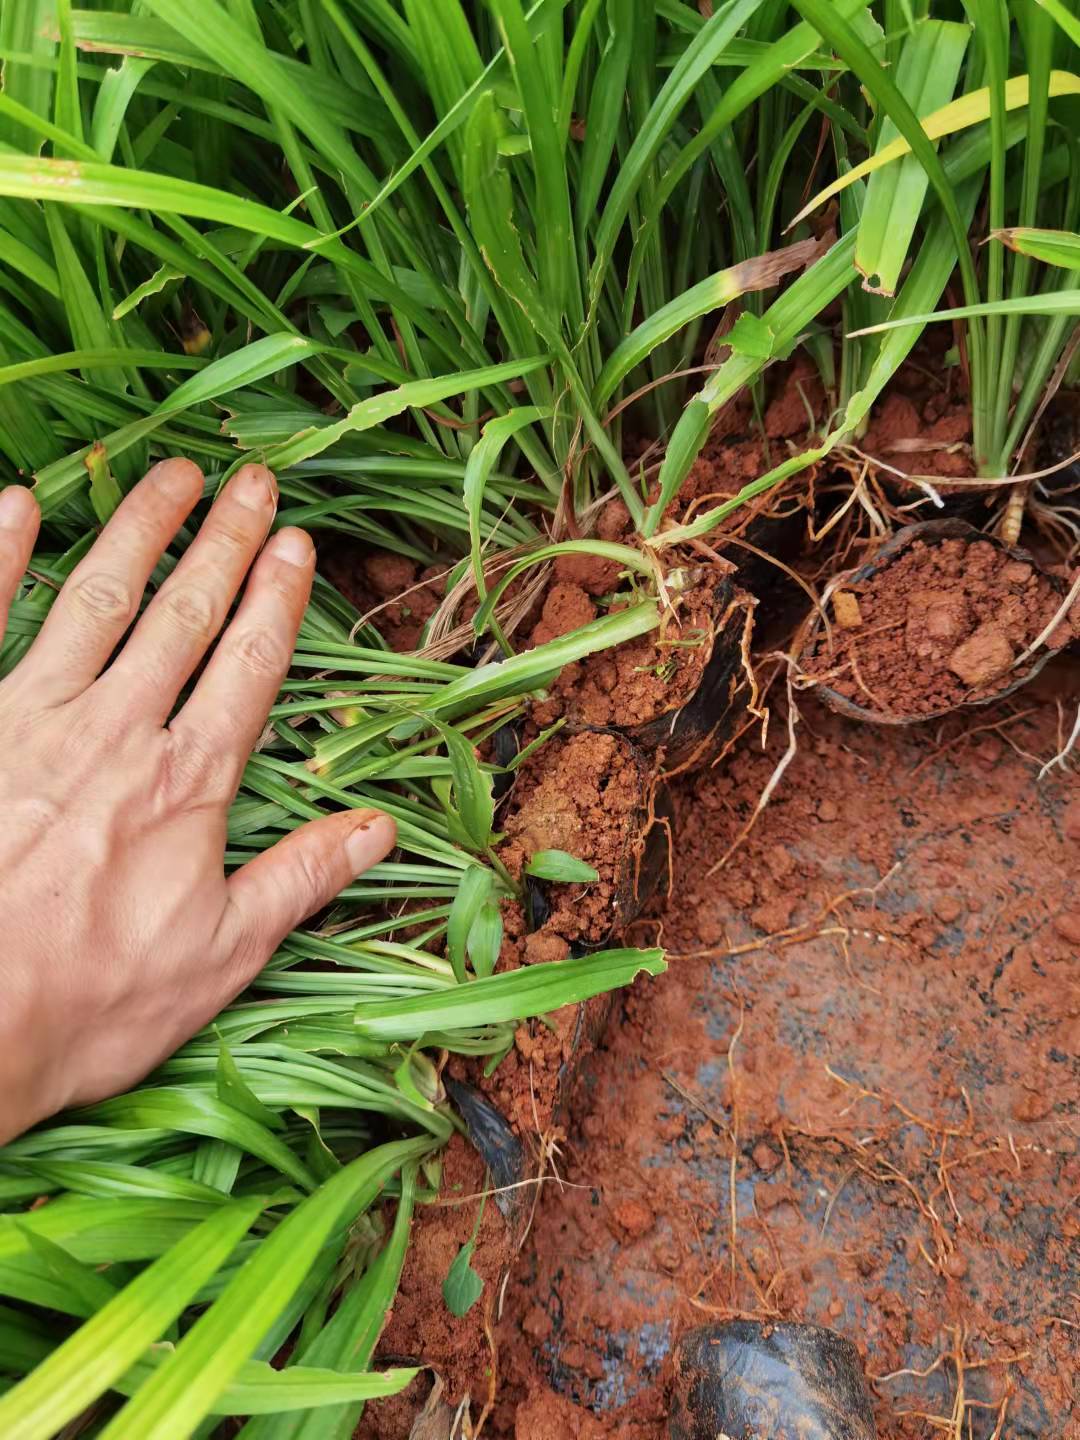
[
  {"x": 1052, "y": 247},
  {"x": 1053, "y": 302},
  {"x": 188, "y": 1383},
  {"x": 103, "y": 1349},
  {"x": 926, "y": 75},
  {"x": 513, "y": 995}
]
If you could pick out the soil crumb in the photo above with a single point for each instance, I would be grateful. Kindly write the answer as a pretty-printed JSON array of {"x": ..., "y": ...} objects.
[
  {"x": 397, "y": 594},
  {"x": 939, "y": 625},
  {"x": 921, "y": 435},
  {"x": 421, "y": 1330}
]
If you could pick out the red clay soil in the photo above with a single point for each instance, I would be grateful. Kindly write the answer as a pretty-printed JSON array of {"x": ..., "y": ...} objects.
[
  {"x": 921, "y": 434},
  {"x": 398, "y": 594},
  {"x": 940, "y": 625},
  {"x": 853, "y": 1099},
  {"x": 421, "y": 1328},
  {"x": 625, "y": 686},
  {"x": 922, "y": 426},
  {"x": 587, "y": 795},
  {"x": 905, "y": 915},
  {"x": 639, "y": 680},
  {"x": 868, "y": 1037}
]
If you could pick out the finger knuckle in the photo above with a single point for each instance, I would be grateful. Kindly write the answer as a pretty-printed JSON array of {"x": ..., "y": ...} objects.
[
  {"x": 192, "y": 767},
  {"x": 248, "y": 953},
  {"x": 233, "y": 536},
  {"x": 318, "y": 883},
  {"x": 190, "y": 609},
  {"x": 100, "y": 597},
  {"x": 260, "y": 652}
]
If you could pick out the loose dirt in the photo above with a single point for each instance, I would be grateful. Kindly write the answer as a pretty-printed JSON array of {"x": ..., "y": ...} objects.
[
  {"x": 939, "y": 625},
  {"x": 638, "y": 681},
  {"x": 868, "y": 1036},
  {"x": 854, "y": 1098},
  {"x": 398, "y": 594},
  {"x": 868, "y": 1039},
  {"x": 587, "y": 795}
]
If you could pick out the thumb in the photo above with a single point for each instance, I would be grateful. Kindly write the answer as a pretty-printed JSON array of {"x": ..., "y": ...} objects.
[{"x": 272, "y": 894}]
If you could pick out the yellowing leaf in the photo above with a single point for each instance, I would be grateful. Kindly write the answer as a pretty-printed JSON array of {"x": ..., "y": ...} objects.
[
  {"x": 959, "y": 114},
  {"x": 1052, "y": 247}
]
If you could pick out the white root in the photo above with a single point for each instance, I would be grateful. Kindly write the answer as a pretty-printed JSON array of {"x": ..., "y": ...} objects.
[{"x": 1064, "y": 753}]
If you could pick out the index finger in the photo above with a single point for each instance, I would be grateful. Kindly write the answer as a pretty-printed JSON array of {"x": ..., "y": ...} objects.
[{"x": 101, "y": 595}]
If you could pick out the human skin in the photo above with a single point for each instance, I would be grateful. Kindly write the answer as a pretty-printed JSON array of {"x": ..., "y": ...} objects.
[{"x": 120, "y": 935}]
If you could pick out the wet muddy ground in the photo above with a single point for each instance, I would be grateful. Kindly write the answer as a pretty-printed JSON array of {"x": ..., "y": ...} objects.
[{"x": 852, "y": 1100}]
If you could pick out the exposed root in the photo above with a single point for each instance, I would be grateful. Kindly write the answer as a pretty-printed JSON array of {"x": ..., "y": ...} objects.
[
  {"x": 1048, "y": 629},
  {"x": 774, "y": 780},
  {"x": 733, "y": 1166},
  {"x": 957, "y": 1423},
  {"x": 993, "y": 725},
  {"x": 1065, "y": 751}
]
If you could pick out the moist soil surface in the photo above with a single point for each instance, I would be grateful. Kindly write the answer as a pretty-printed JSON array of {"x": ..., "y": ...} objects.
[
  {"x": 867, "y": 1039},
  {"x": 586, "y": 795},
  {"x": 854, "y": 1098},
  {"x": 937, "y": 626},
  {"x": 637, "y": 681}
]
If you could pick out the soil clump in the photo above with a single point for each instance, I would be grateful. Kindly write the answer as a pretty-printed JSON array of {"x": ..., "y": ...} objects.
[{"x": 936, "y": 626}]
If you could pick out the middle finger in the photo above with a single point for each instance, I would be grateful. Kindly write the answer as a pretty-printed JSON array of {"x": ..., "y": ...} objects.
[{"x": 188, "y": 611}]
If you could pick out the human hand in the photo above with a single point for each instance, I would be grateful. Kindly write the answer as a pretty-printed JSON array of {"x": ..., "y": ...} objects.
[{"x": 119, "y": 933}]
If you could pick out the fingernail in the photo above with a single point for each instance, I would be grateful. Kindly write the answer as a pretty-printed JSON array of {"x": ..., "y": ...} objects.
[
  {"x": 16, "y": 507},
  {"x": 178, "y": 479},
  {"x": 292, "y": 546},
  {"x": 254, "y": 487},
  {"x": 371, "y": 838}
]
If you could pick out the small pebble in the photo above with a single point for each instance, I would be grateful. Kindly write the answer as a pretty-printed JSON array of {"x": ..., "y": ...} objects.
[
  {"x": 1067, "y": 925},
  {"x": 573, "y": 1355},
  {"x": 846, "y": 610},
  {"x": 988, "y": 752},
  {"x": 537, "y": 1323},
  {"x": 983, "y": 657},
  {"x": 1016, "y": 573},
  {"x": 1033, "y": 1105},
  {"x": 667, "y": 1256}
]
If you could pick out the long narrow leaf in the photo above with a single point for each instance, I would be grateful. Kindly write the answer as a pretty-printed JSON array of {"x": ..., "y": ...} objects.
[
  {"x": 513, "y": 995},
  {"x": 99, "y": 1353}
]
